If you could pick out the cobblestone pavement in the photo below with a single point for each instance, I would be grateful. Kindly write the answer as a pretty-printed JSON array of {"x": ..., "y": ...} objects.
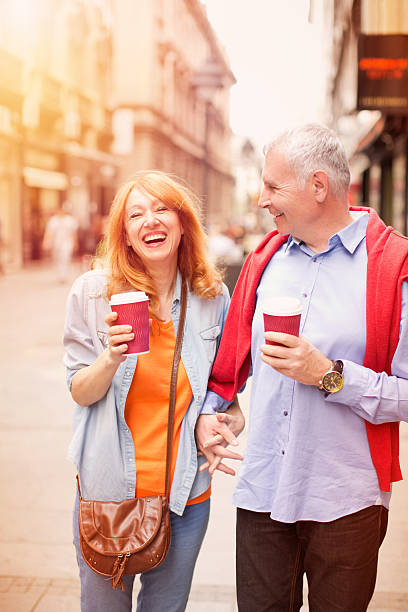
[
  {"x": 38, "y": 570},
  {"x": 19, "y": 594}
]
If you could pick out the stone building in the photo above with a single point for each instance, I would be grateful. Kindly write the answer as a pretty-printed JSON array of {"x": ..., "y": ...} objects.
[
  {"x": 171, "y": 97},
  {"x": 93, "y": 90},
  {"x": 55, "y": 124}
]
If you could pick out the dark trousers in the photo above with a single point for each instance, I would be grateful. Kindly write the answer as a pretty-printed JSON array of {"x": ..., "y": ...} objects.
[{"x": 339, "y": 559}]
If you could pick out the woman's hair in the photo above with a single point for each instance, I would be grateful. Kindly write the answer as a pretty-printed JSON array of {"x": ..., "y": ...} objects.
[
  {"x": 311, "y": 147},
  {"x": 126, "y": 267}
]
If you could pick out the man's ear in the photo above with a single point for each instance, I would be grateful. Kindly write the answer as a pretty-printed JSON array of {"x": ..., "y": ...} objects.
[{"x": 320, "y": 185}]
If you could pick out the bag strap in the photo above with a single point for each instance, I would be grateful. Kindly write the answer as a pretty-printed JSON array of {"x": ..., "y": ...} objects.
[
  {"x": 79, "y": 487},
  {"x": 173, "y": 385}
]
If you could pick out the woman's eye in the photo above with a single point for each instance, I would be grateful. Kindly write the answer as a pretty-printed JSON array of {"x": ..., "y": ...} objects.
[
  {"x": 135, "y": 215},
  {"x": 162, "y": 209}
]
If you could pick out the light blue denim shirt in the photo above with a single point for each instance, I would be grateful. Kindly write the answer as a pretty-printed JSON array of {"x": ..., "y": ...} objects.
[
  {"x": 102, "y": 445},
  {"x": 307, "y": 456}
]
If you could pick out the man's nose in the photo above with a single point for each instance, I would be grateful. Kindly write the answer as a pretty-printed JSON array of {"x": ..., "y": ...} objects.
[{"x": 264, "y": 200}]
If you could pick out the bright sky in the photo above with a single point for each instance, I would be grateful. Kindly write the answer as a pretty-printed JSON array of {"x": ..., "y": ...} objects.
[{"x": 277, "y": 58}]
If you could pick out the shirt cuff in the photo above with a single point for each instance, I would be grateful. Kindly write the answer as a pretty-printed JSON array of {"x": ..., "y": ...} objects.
[
  {"x": 214, "y": 403},
  {"x": 355, "y": 379}
]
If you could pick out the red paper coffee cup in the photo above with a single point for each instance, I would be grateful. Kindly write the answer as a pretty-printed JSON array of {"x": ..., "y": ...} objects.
[
  {"x": 282, "y": 314},
  {"x": 133, "y": 309}
]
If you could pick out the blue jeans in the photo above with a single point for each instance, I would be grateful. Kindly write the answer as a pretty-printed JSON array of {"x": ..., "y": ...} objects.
[{"x": 166, "y": 587}]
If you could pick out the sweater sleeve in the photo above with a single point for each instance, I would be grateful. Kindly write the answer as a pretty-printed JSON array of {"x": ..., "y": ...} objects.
[{"x": 231, "y": 367}]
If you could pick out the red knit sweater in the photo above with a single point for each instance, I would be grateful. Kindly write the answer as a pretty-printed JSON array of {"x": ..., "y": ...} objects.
[{"x": 387, "y": 268}]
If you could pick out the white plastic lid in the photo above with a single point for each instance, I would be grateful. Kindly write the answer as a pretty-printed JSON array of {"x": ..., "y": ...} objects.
[
  {"x": 128, "y": 298},
  {"x": 282, "y": 306}
]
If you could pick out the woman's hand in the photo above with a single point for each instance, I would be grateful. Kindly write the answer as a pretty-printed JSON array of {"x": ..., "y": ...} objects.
[
  {"x": 118, "y": 336},
  {"x": 91, "y": 383},
  {"x": 229, "y": 426},
  {"x": 215, "y": 432}
]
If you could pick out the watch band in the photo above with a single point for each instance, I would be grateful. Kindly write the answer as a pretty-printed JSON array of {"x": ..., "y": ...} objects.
[{"x": 337, "y": 367}]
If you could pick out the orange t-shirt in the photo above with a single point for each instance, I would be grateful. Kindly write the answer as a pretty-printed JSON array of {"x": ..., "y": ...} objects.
[{"x": 146, "y": 411}]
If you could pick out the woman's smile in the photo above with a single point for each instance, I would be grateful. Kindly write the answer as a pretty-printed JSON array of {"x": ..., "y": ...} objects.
[
  {"x": 153, "y": 229},
  {"x": 154, "y": 239}
]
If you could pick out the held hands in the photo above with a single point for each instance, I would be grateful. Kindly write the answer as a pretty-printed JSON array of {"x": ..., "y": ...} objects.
[
  {"x": 213, "y": 433},
  {"x": 297, "y": 358}
]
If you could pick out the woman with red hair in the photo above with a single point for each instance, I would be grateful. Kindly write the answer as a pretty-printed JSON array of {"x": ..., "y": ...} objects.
[{"x": 154, "y": 243}]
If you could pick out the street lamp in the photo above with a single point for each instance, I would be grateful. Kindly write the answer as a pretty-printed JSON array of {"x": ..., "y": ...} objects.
[{"x": 207, "y": 80}]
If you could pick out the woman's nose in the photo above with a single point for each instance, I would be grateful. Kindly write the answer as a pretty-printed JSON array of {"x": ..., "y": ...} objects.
[{"x": 150, "y": 218}]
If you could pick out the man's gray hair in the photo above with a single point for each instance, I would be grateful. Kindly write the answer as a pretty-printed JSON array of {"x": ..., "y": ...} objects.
[{"x": 312, "y": 147}]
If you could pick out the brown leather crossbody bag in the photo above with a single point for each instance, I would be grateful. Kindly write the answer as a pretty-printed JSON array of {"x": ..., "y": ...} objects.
[{"x": 132, "y": 536}]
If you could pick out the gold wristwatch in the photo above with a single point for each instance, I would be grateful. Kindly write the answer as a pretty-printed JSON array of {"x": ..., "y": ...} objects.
[{"x": 332, "y": 380}]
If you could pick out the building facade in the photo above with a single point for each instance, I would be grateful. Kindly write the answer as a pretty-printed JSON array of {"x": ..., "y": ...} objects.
[
  {"x": 55, "y": 127},
  {"x": 367, "y": 99},
  {"x": 171, "y": 97},
  {"x": 94, "y": 90}
]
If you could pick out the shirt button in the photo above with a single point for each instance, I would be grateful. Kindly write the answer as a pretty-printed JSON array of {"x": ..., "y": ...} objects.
[
  {"x": 304, "y": 295},
  {"x": 130, "y": 459},
  {"x": 285, "y": 413},
  {"x": 283, "y": 452}
]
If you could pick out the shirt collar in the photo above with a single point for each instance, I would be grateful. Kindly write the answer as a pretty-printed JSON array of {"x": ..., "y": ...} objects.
[
  {"x": 177, "y": 288},
  {"x": 350, "y": 236},
  {"x": 177, "y": 294}
]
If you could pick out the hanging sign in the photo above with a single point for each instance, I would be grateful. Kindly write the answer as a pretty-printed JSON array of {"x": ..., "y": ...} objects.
[{"x": 383, "y": 73}]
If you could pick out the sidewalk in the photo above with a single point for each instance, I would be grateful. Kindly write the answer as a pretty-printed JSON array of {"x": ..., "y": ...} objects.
[
  {"x": 38, "y": 570},
  {"x": 37, "y": 563}
]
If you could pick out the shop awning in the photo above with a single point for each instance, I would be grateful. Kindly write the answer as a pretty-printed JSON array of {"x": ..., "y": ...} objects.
[
  {"x": 371, "y": 136},
  {"x": 46, "y": 179}
]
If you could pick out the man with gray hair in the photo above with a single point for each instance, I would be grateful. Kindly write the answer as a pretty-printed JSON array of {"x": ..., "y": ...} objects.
[{"x": 314, "y": 489}]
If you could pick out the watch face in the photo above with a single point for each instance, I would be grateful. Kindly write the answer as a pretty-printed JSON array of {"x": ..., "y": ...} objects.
[{"x": 332, "y": 382}]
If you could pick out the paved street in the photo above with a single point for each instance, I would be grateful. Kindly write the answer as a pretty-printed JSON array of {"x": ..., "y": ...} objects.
[{"x": 37, "y": 563}]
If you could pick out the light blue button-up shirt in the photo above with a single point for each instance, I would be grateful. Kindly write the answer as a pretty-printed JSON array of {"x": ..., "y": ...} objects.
[
  {"x": 102, "y": 446},
  {"x": 307, "y": 456}
]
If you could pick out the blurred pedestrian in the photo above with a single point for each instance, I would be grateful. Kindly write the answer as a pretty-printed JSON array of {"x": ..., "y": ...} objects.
[
  {"x": 61, "y": 240},
  {"x": 224, "y": 248},
  {"x": 155, "y": 244},
  {"x": 315, "y": 485}
]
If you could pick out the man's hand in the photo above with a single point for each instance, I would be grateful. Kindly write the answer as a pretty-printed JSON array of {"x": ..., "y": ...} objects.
[
  {"x": 213, "y": 433},
  {"x": 297, "y": 358}
]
